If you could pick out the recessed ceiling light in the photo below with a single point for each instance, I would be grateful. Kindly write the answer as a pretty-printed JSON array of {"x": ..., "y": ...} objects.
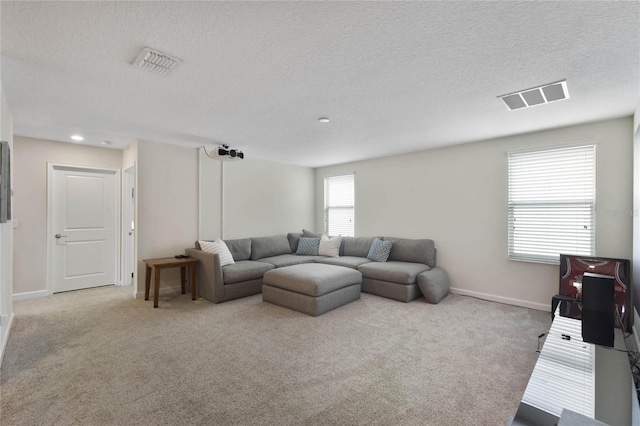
[
  {"x": 106, "y": 142},
  {"x": 540, "y": 95},
  {"x": 323, "y": 120},
  {"x": 77, "y": 138}
]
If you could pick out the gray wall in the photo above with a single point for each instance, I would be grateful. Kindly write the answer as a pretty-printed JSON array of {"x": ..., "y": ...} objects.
[
  {"x": 179, "y": 200},
  {"x": 261, "y": 198},
  {"x": 167, "y": 205},
  {"x": 30, "y": 202},
  {"x": 458, "y": 197}
]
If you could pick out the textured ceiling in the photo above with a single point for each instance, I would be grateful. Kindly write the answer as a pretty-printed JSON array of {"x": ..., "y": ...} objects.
[{"x": 393, "y": 77}]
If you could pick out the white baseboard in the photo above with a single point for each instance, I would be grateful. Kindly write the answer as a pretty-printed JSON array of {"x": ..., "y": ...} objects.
[
  {"x": 501, "y": 299},
  {"x": 5, "y": 336},
  {"x": 6, "y": 319},
  {"x": 29, "y": 295}
]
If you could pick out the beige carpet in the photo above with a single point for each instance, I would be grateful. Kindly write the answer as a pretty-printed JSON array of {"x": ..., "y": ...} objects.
[{"x": 95, "y": 357}]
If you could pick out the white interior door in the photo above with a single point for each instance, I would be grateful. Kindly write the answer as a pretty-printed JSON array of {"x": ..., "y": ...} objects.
[{"x": 83, "y": 217}]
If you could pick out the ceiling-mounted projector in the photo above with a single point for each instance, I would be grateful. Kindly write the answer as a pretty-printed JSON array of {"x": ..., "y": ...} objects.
[{"x": 224, "y": 153}]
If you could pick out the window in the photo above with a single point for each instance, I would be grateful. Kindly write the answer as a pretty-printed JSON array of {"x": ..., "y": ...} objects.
[
  {"x": 552, "y": 203},
  {"x": 339, "y": 203}
]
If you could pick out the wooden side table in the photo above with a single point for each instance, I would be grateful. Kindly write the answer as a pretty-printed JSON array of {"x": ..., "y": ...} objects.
[{"x": 157, "y": 265}]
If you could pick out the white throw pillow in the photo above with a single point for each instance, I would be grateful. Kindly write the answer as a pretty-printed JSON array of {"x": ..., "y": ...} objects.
[
  {"x": 220, "y": 248},
  {"x": 329, "y": 246}
]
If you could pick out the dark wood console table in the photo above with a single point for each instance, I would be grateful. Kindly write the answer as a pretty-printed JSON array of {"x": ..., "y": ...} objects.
[{"x": 157, "y": 265}]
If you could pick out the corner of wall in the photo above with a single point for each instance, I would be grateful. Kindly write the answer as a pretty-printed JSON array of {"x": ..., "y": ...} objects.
[
  {"x": 6, "y": 237},
  {"x": 635, "y": 260},
  {"x": 5, "y": 321},
  {"x": 636, "y": 327},
  {"x": 636, "y": 116},
  {"x": 166, "y": 204}
]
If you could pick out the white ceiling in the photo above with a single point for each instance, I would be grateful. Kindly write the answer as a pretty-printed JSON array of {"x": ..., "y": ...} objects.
[{"x": 394, "y": 77}]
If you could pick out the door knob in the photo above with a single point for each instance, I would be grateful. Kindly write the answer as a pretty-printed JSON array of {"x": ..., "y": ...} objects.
[{"x": 60, "y": 236}]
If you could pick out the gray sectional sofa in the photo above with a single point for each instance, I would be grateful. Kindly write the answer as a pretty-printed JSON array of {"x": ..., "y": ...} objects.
[{"x": 409, "y": 271}]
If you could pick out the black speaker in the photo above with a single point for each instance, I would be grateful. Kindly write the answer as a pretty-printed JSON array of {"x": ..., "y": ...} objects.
[{"x": 598, "y": 309}]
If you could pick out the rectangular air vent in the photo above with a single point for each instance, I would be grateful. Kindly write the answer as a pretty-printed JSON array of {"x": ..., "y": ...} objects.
[
  {"x": 536, "y": 96},
  {"x": 155, "y": 61}
]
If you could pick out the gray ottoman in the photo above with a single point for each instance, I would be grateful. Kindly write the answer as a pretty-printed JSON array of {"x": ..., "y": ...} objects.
[{"x": 311, "y": 288}]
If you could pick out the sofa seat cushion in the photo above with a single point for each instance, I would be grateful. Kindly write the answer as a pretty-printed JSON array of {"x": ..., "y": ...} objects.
[
  {"x": 290, "y": 259},
  {"x": 347, "y": 261},
  {"x": 393, "y": 271},
  {"x": 244, "y": 270}
]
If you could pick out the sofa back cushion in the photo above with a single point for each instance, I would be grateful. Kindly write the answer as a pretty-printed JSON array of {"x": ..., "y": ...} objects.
[
  {"x": 240, "y": 249},
  {"x": 262, "y": 247},
  {"x": 356, "y": 246},
  {"x": 310, "y": 234},
  {"x": 294, "y": 238},
  {"x": 416, "y": 251}
]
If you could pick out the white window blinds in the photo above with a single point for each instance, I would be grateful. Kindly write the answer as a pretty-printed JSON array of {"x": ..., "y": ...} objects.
[
  {"x": 552, "y": 203},
  {"x": 339, "y": 205}
]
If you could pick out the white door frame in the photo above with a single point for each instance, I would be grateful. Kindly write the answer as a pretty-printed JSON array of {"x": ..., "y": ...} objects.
[
  {"x": 128, "y": 251},
  {"x": 50, "y": 170}
]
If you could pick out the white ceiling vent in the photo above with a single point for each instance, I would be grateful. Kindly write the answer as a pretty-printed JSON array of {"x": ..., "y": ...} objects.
[
  {"x": 536, "y": 96},
  {"x": 155, "y": 61}
]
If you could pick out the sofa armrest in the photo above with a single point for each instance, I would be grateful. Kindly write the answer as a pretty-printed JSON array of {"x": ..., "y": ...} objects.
[
  {"x": 208, "y": 275},
  {"x": 434, "y": 284}
]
